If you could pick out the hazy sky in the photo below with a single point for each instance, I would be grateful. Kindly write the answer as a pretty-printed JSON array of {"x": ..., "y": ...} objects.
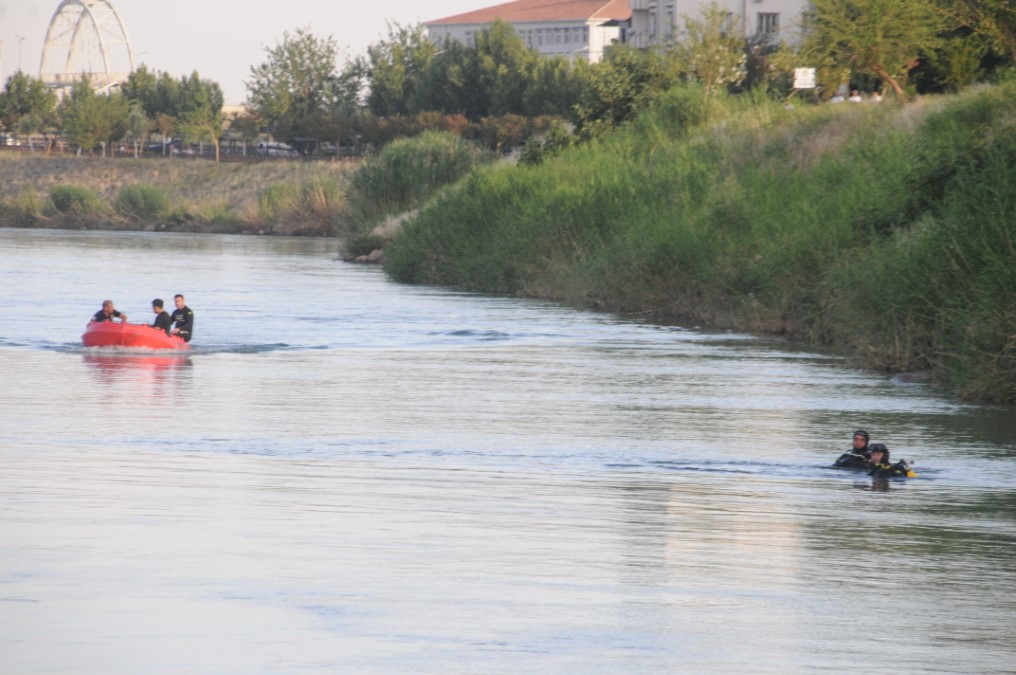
[{"x": 221, "y": 39}]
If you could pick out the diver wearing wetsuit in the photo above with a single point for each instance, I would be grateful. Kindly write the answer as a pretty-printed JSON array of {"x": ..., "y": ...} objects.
[
  {"x": 183, "y": 319},
  {"x": 162, "y": 319},
  {"x": 880, "y": 466},
  {"x": 858, "y": 456}
]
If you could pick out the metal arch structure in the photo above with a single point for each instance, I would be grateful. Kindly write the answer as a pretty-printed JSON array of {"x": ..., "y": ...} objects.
[{"x": 86, "y": 37}]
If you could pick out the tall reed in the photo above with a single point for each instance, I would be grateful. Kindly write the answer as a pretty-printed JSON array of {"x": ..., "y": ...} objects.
[{"x": 823, "y": 223}]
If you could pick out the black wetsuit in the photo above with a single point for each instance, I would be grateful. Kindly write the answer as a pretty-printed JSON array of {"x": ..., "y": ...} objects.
[
  {"x": 101, "y": 316},
  {"x": 183, "y": 319},
  {"x": 163, "y": 322},
  {"x": 855, "y": 459}
]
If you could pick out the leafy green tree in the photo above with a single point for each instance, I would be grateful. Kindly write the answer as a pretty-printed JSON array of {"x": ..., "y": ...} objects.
[
  {"x": 396, "y": 68},
  {"x": 24, "y": 95},
  {"x": 29, "y": 125},
  {"x": 298, "y": 80},
  {"x": 199, "y": 110},
  {"x": 451, "y": 83},
  {"x": 626, "y": 81},
  {"x": 883, "y": 38},
  {"x": 505, "y": 67},
  {"x": 993, "y": 20},
  {"x": 709, "y": 51},
  {"x": 93, "y": 120},
  {"x": 137, "y": 127},
  {"x": 555, "y": 87}
]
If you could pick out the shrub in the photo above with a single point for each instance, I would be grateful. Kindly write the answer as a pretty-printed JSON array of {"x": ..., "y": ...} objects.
[
  {"x": 142, "y": 202},
  {"x": 74, "y": 200},
  {"x": 407, "y": 173}
]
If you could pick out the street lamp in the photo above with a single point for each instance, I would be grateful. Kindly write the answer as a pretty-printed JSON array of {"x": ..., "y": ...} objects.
[{"x": 21, "y": 39}]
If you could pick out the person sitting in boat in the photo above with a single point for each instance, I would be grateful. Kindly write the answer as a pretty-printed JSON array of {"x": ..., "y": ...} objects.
[
  {"x": 108, "y": 313},
  {"x": 881, "y": 467},
  {"x": 858, "y": 456},
  {"x": 183, "y": 319},
  {"x": 162, "y": 320}
]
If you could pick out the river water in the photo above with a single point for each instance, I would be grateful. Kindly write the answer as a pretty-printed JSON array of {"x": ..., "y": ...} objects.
[{"x": 350, "y": 475}]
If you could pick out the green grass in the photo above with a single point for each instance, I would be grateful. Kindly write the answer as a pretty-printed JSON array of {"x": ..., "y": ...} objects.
[{"x": 885, "y": 229}]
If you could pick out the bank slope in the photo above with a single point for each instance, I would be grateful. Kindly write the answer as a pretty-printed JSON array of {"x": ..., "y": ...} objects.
[{"x": 889, "y": 230}]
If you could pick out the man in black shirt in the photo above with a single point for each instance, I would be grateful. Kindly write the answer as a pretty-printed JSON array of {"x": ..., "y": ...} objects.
[
  {"x": 108, "y": 313},
  {"x": 162, "y": 320},
  {"x": 183, "y": 319}
]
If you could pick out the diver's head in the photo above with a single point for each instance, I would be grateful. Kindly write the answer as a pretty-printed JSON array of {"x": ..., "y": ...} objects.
[
  {"x": 879, "y": 453},
  {"x": 861, "y": 439}
]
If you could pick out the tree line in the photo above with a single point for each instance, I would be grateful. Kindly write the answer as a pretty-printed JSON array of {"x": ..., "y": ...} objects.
[
  {"x": 189, "y": 108},
  {"x": 497, "y": 90}
]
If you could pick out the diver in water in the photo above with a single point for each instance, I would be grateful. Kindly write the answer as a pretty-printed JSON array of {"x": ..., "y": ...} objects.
[
  {"x": 858, "y": 456},
  {"x": 881, "y": 466}
]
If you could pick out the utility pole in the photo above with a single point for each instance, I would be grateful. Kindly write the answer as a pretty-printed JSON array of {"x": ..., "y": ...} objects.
[{"x": 21, "y": 39}]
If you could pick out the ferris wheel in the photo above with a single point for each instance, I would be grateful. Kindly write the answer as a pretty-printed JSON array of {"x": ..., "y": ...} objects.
[{"x": 86, "y": 37}]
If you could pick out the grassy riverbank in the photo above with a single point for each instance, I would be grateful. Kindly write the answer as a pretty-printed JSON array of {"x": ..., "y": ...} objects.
[
  {"x": 888, "y": 230},
  {"x": 302, "y": 198}
]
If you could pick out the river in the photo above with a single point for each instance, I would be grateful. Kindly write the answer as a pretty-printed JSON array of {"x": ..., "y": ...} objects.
[{"x": 351, "y": 475}]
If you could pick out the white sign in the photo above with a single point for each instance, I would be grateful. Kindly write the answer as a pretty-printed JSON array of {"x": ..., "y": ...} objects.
[{"x": 804, "y": 78}]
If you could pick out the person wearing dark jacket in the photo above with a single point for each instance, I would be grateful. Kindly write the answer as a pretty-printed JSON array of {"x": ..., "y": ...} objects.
[
  {"x": 108, "y": 313},
  {"x": 162, "y": 320},
  {"x": 881, "y": 466},
  {"x": 857, "y": 458},
  {"x": 183, "y": 319}
]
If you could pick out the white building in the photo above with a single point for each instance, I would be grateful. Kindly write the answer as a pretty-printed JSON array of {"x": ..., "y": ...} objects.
[
  {"x": 655, "y": 22},
  {"x": 569, "y": 28}
]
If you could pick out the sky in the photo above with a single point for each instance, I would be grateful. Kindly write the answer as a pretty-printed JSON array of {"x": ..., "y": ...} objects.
[{"x": 221, "y": 39}]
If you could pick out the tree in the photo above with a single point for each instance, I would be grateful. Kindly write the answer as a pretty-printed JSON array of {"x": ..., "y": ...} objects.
[
  {"x": 29, "y": 125},
  {"x": 137, "y": 127},
  {"x": 199, "y": 110},
  {"x": 555, "y": 87},
  {"x": 24, "y": 95},
  {"x": 92, "y": 120},
  {"x": 884, "y": 38},
  {"x": 994, "y": 20},
  {"x": 451, "y": 83},
  {"x": 709, "y": 52},
  {"x": 626, "y": 81},
  {"x": 396, "y": 68},
  {"x": 297, "y": 80},
  {"x": 505, "y": 67}
]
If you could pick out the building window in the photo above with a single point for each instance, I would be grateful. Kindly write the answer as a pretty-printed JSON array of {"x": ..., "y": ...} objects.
[
  {"x": 539, "y": 37},
  {"x": 469, "y": 38},
  {"x": 768, "y": 22},
  {"x": 567, "y": 35},
  {"x": 585, "y": 36},
  {"x": 557, "y": 36}
]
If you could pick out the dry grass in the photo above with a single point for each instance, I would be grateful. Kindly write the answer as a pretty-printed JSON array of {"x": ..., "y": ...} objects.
[{"x": 200, "y": 190}]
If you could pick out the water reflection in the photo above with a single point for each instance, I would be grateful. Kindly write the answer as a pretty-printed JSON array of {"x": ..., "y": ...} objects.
[
  {"x": 130, "y": 377},
  {"x": 109, "y": 363}
]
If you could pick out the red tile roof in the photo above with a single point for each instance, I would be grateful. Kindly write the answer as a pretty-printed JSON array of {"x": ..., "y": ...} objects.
[{"x": 543, "y": 10}]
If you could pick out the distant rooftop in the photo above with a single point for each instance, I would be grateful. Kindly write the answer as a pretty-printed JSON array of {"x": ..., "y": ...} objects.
[{"x": 543, "y": 10}]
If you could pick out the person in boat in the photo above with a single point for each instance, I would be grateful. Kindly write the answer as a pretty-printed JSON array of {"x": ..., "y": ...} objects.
[
  {"x": 881, "y": 467},
  {"x": 107, "y": 313},
  {"x": 858, "y": 457},
  {"x": 162, "y": 319},
  {"x": 183, "y": 319}
]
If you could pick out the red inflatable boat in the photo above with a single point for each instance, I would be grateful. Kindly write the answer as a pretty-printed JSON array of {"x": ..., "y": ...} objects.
[{"x": 132, "y": 335}]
